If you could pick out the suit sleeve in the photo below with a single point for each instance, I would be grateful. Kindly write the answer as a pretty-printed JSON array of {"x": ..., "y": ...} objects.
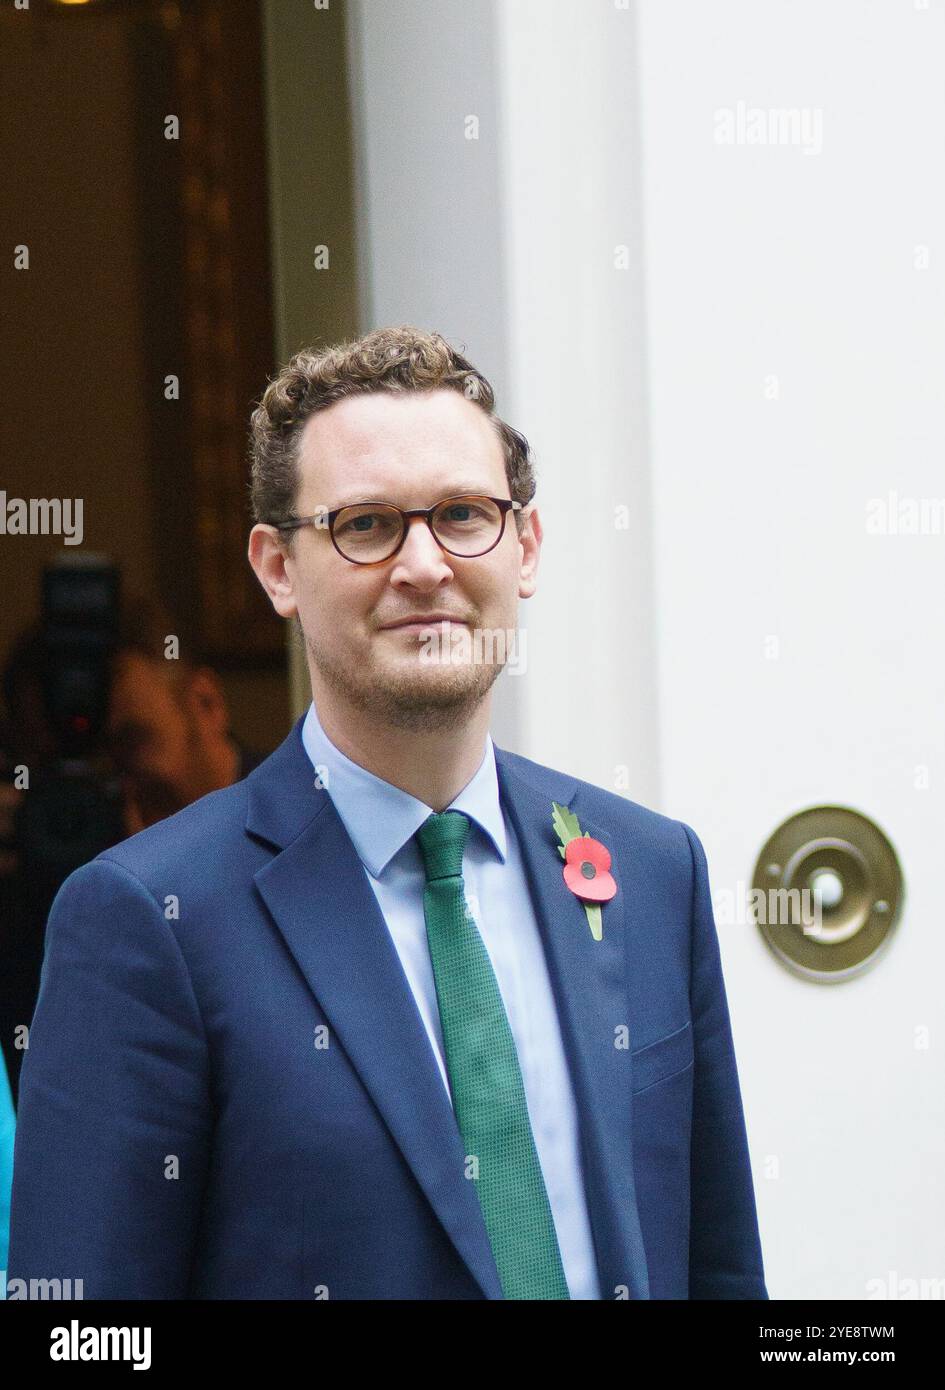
[
  {"x": 724, "y": 1244},
  {"x": 112, "y": 1132}
]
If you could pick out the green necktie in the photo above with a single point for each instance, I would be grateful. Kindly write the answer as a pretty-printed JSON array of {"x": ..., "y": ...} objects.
[{"x": 485, "y": 1080}]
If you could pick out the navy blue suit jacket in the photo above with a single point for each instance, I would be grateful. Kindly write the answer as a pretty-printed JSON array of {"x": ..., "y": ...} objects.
[{"x": 184, "y": 1131}]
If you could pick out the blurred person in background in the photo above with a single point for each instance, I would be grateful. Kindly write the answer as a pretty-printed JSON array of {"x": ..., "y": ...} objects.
[
  {"x": 169, "y": 738},
  {"x": 169, "y": 724}
]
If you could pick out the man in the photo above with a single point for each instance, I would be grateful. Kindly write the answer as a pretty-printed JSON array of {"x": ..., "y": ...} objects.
[
  {"x": 343, "y": 1029},
  {"x": 169, "y": 735},
  {"x": 168, "y": 724}
]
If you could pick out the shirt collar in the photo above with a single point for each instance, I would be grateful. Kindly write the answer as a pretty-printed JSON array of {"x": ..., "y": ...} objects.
[{"x": 381, "y": 818}]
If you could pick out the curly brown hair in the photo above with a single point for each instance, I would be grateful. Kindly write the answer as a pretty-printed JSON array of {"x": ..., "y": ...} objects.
[{"x": 387, "y": 359}]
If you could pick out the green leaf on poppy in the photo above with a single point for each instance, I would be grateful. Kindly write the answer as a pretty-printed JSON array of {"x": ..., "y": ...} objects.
[
  {"x": 566, "y": 825},
  {"x": 593, "y": 919}
]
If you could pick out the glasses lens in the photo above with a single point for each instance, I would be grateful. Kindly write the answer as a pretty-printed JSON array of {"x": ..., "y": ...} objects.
[
  {"x": 370, "y": 531},
  {"x": 467, "y": 525}
]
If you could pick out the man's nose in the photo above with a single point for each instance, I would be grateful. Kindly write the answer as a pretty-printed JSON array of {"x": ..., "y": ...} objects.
[{"x": 421, "y": 553}]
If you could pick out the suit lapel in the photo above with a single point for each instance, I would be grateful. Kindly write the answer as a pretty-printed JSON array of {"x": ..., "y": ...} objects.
[
  {"x": 322, "y": 902},
  {"x": 592, "y": 996}
]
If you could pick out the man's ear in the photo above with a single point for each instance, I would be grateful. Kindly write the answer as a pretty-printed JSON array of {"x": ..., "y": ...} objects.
[
  {"x": 269, "y": 554},
  {"x": 530, "y": 538}
]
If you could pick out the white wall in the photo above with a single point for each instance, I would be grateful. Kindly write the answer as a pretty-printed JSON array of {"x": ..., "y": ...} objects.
[{"x": 795, "y": 358}]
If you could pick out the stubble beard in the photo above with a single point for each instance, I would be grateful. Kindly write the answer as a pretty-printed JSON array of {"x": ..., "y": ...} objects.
[{"x": 416, "y": 699}]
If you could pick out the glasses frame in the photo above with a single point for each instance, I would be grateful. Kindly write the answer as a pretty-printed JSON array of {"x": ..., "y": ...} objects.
[{"x": 505, "y": 505}]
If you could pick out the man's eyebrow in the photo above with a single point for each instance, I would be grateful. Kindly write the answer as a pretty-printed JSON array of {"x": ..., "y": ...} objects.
[{"x": 461, "y": 489}]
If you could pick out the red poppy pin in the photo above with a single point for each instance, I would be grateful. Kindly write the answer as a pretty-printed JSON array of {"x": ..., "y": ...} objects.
[{"x": 586, "y": 866}]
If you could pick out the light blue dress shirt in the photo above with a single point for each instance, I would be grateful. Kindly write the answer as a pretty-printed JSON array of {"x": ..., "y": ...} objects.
[{"x": 382, "y": 820}]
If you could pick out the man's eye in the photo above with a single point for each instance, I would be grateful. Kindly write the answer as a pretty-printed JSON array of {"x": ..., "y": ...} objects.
[
  {"x": 365, "y": 522},
  {"x": 357, "y": 523}
]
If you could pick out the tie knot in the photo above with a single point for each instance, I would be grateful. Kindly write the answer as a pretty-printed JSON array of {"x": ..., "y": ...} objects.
[{"x": 442, "y": 841}]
